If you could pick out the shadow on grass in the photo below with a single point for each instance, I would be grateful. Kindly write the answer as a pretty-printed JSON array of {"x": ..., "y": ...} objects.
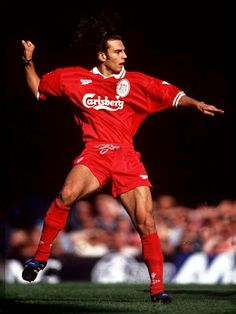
[
  {"x": 10, "y": 306},
  {"x": 206, "y": 293}
]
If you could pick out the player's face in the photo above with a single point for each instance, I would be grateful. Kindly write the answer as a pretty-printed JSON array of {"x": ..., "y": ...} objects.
[{"x": 114, "y": 58}]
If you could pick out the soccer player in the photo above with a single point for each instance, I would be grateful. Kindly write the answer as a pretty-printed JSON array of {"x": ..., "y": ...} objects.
[{"x": 109, "y": 103}]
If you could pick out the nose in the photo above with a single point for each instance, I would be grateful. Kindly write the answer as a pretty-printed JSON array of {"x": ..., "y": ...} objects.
[{"x": 124, "y": 55}]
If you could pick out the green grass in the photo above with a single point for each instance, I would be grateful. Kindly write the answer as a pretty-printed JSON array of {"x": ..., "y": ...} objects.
[{"x": 80, "y": 297}]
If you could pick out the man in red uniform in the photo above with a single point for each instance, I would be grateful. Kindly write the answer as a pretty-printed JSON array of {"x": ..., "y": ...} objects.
[{"x": 109, "y": 103}]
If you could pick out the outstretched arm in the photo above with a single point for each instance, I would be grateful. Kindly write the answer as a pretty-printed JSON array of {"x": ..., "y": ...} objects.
[
  {"x": 206, "y": 109},
  {"x": 32, "y": 77}
]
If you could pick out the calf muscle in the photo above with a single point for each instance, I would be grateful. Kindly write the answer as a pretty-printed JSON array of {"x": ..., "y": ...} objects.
[{"x": 138, "y": 203}]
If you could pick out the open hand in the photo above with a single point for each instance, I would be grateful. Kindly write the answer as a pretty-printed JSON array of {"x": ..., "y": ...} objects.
[{"x": 208, "y": 109}]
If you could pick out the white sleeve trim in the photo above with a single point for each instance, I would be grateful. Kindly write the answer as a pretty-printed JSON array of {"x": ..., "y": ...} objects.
[
  {"x": 37, "y": 96},
  {"x": 177, "y": 98}
]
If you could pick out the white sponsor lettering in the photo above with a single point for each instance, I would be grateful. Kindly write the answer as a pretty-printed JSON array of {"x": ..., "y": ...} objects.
[{"x": 98, "y": 103}]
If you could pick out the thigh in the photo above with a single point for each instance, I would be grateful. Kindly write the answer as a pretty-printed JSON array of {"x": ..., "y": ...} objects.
[
  {"x": 79, "y": 183},
  {"x": 138, "y": 204}
]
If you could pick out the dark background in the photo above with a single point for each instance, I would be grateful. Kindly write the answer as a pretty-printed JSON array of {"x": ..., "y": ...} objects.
[{"x": 188, "y": 43}]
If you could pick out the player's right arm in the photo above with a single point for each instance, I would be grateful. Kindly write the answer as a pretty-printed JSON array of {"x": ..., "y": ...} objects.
[{"x": 32, "y": 77}]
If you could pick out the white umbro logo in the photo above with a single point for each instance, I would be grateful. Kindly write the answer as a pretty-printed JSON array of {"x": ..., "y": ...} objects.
[
  {"x": 143, "y": 176},
  {"x": 85, "y": 81}
]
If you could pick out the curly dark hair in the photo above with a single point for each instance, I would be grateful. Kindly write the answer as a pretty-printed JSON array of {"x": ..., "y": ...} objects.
[{"x": 93, "y": 33}]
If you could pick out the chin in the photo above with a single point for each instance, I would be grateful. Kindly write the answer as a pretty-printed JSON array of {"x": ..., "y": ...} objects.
[{"x": 118, "y": 69}]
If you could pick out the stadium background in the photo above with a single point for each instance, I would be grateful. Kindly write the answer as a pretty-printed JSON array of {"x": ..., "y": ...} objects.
[{"x": 187, "y": 155}]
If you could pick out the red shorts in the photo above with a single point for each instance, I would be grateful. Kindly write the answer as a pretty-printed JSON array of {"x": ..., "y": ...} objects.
[{"x": 120, "y": 163}]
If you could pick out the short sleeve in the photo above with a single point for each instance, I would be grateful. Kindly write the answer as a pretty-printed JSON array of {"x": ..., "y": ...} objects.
[
  {"x": 50, "y": 85},
  {"x": 162, "y": 95}
]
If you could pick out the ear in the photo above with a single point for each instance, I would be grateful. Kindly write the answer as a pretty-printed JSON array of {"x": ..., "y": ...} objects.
[{"x": 102, "y": 56}]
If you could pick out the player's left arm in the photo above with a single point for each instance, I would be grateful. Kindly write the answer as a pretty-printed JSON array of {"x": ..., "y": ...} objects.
[{"x": 186, "y": 101}]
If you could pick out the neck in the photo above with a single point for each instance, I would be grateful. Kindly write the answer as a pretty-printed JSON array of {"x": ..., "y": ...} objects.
[{"x": 105, "y": 71}]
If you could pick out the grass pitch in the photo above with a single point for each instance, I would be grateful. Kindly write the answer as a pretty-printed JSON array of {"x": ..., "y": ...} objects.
[{"x": 78, "y": 297}]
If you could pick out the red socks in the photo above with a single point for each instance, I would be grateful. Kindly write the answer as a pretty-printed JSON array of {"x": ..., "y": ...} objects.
[
  {"x": 153, "y": 258},
  {"x": 54, "y": 222}
]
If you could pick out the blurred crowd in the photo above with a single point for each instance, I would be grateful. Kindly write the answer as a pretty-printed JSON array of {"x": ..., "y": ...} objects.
[{"x": 100, "y": 226}]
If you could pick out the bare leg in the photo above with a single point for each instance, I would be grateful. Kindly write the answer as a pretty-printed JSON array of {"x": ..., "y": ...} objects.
[
  {"x": 138, "y": 203},
  {"x": 79, "y": 183}
]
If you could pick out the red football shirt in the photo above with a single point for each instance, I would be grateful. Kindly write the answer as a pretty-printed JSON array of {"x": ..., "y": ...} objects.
[{"x": 109, "y": 110}]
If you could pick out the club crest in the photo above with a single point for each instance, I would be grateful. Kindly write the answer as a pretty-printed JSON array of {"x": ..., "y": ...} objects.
[{"x": 123, "y": 88}]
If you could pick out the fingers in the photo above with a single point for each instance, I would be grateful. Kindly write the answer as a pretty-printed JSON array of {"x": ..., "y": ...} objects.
[
  {"x": 212, "y": 112},
  {"x": 27, "y": 44},
  {"x": 208, "y": 113},
  {"x": 209, "y": 109},
  {"x": 28, "y": 49},
  {"x": 213, "y": 108}
]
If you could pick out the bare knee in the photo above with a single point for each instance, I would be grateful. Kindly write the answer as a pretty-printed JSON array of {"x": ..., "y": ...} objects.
[{"x": 68, "y": 196}]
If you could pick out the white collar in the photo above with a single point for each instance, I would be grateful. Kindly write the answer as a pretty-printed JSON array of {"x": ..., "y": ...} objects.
[{"x": 117, "y": 76}]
